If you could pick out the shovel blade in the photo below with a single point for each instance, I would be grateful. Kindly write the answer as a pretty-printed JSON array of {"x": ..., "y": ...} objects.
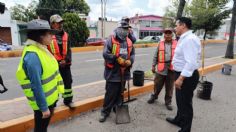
[{"x": 122, "y": 114}]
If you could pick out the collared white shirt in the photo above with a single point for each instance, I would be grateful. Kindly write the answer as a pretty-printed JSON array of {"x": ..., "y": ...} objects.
[{"x": 187, "y": 54}]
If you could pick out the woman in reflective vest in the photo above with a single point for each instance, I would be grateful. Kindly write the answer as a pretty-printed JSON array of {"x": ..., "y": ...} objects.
[{"x": 38, "y": 73}]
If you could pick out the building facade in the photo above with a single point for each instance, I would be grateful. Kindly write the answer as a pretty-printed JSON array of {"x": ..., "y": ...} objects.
[
  {"x": 147, "y": 25},
  {"x": 9, "y": 30}
]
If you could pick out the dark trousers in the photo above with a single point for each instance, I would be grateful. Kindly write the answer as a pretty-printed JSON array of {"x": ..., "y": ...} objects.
[
  {"x": 41, "y": 124},
  {"x": 159, "y": 82},
  {"x": 113, "y": 97},
  {"x": 67, "y": 80},
  {"x": 184, "y": 98}
]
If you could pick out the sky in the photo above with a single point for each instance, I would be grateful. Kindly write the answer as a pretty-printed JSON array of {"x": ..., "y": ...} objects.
[{"x": 115, "y": 9}]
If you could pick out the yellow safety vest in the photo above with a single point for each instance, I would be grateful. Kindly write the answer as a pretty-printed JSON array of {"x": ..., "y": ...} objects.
[{"x": 51, "y": 80}]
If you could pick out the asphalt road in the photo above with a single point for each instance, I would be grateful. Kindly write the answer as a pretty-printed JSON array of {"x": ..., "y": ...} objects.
[
  {"x": 215, "y": 115},
  {"x": 88, "y": 67}
]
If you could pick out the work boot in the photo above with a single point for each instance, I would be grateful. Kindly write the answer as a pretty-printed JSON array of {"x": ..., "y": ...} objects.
[
  {"x": 103, "y": 118},
  {"x": 169, "y": 107},
  {"x": 71, "y": 105},
  {"x": 152, "y": 99}
]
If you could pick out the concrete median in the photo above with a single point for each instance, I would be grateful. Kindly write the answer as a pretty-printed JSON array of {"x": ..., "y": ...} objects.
[{"x": 27, "y": 122}]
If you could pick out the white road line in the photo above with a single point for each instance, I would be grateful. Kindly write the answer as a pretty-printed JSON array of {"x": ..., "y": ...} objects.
[
  {"x": 94, "y": 60},
  {"x": 141, "y": 55}
]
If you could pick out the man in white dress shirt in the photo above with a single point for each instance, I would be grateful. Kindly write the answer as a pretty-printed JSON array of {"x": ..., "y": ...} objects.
[{"x": 186, "y": 63}]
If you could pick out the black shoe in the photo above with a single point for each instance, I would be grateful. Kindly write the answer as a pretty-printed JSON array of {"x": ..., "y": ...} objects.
[
  {"x": 169, "y": 107},
  {"x": 114, "y": 109},
  {"x": 71, "y": 105},
  {"x": 103, "y": 118},
  {"x": 173, "y": 121},
  {"x": 152, "y": 99}
]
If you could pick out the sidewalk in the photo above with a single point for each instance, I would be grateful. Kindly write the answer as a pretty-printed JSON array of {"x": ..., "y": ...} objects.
[
  {"x": 13, "y": 109},
  {"x": 215, "y": 115}
]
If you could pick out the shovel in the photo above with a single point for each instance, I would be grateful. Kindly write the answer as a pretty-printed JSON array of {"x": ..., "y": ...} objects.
[
  {"x": 4, "y": 88},
  {"x": 122, "y": 110},
  {"x": 129, "y": 99}
]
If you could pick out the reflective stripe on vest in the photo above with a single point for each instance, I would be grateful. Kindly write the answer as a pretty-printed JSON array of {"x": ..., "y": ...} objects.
[
  {"x": 54, "y": 48},
  {"x": 116, "y": 49},
  {"x": 52, "y": 83},
  {"x": 161, "y": 55}
]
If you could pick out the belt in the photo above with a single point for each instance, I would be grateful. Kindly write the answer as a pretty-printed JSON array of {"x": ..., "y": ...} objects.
[{"x": 178, "y": 72}]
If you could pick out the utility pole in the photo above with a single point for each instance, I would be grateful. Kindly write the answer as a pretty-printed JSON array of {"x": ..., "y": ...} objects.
[
  {"x": 103, "y": 16},
  {"x": 102, "y": 28}
]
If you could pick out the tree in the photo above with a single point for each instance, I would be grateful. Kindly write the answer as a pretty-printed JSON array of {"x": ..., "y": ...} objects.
[
  {"x": 20, "y": 12},
  {"x": 176, "y": 6},
  {"x": 76, "y": 28},
  {"x": 208, "y": 14},
  {"x": 47, "y": 8},
  {"x": 79, "y": 6},
  {"x": 180, "y": 8},
  {"x": 230, "y": 47}
]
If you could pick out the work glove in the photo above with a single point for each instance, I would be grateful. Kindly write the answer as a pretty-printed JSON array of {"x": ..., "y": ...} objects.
[
  {"x": 153, "y": 69},
  {"x": 62, "y": 63},
  {"x": 127, "y": 63},
  {"x": 121, "y": 61}
]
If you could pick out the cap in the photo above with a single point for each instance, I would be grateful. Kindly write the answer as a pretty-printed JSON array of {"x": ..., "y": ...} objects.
[
  {"x": 125, "y": 18},
  {"x": 56, "y": 18},
  {"x": 124, "y": 23},
  {"x": 38, "y": 24},
  {"x": 168, "y": 30}
]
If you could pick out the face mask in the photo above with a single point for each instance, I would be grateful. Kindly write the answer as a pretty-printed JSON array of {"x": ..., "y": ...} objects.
[{"x": 122, "y": 33}]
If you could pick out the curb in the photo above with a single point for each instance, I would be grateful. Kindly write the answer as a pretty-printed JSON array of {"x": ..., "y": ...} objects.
[{"x": 27, "y": 122}]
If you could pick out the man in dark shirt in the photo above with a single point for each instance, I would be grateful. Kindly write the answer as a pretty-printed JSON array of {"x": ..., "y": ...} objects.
[
  {"x": 118, "y": 54},
  {"x": 61, "y": 50}
]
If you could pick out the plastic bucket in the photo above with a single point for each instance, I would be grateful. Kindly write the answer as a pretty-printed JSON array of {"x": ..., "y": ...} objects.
[
  {"x": 138, "y": 78},
  {"x": 204, "y": 91},
  {"x": 226, "y": 69}
]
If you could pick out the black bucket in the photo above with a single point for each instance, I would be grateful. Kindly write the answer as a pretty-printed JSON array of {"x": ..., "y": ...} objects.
[
  {"x": 204, "y": 91},
  {"x": 138, "y": 78}
]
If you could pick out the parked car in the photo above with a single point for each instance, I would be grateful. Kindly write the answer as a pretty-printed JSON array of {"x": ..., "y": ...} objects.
[
  {"x": 149, "y": 39},
  {"x": 4, "y": 46},
  {"x": 95, "y": 42}
]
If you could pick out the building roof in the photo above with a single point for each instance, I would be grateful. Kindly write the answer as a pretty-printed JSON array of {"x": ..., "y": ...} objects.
[{"x": 146, "y": 17}]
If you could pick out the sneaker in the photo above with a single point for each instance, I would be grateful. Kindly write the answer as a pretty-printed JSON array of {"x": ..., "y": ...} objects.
[{"x": 152, "y": 99}]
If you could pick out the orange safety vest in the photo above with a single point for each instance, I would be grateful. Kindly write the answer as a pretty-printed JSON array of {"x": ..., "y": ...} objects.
[
  {"x": 54, "y": 48},
  {"x": 161, "y": 55},
  {"x": 116, "y": 49}
]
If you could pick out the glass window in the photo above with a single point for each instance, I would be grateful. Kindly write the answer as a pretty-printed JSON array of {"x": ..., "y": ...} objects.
[
  {"x": 156, "y": 24},
  {"x": 144, "y": 23}
]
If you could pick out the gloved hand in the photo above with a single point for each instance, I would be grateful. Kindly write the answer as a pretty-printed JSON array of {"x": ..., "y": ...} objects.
[
  {"x": 153, "y": 69},
  {"x": 121, "y": 61},
  {"x": 62, "y": 63},
  {"x": 127, "y": 63}
]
